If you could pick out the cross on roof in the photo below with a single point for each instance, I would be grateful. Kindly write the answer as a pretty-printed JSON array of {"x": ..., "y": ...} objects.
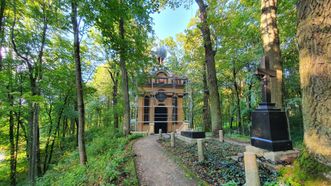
[{"x": 264, "y": 72}]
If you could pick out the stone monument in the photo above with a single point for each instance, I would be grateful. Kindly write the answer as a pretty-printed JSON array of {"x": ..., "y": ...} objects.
[{"x": 269, "y": 129}]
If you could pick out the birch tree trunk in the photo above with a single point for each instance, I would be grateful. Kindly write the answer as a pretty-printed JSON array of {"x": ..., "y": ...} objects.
[
  {"x": 79, "y": 86},
  {"x": 270, "y": 38},
  {"x": 314, "y": 38},
  {"x": 214, "y": 98}
]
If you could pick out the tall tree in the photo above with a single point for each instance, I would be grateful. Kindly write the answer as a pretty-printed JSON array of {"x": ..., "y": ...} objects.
[
  {"x": 214, "y": 98},
  {"x": 236, "y": 91},
  {"x": 124, "y": 26},
  {"x": 32, "y": 56},
  {"x": 206, "y": 108},
  {"x": 114, "y": 78},
  {"x": 314, "y": 35},
  {"x": 79, "y": 86},
  {"x": 125, "y": 79},
  {"x": 11, "y": 124},
  {"x": 271, "y": 46},
  {"x": 2, "y": 23}
]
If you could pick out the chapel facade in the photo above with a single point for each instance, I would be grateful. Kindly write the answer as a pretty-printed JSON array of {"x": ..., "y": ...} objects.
[{"x": 161, "y": 102}]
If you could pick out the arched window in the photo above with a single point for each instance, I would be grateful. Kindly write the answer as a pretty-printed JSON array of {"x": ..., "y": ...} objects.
[{"x": 146, "y": 110}]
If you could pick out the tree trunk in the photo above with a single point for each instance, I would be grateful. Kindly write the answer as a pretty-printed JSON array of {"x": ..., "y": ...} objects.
[
  {"x": 114, "y": 98},
  {"x": 206, "y": 109},
  {"x": 237, "y": 95},
  {"x": 249, "y": 101},
  {"x": 79, "y": 86},
  {"x": 270, "y": 38},
  {"x": 35, "y": 75},
  {"x": 214, "y": 97},
  {"x": 125, "y": 81},
  {"x": 314, "y": 33},
  {"x": 11, "y": 134},
  {"x": 2, "y": 30}
]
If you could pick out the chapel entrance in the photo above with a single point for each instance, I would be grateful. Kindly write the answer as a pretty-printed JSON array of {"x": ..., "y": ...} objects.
[{"x": 160, "y": 119}]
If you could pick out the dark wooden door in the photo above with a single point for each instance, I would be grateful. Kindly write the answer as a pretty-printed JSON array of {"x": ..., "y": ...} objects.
[{"x": 160, "y": 119}]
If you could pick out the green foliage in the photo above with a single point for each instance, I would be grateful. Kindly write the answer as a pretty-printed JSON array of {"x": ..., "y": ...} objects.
[
  {"x": 309, "y": 167},
  {"x": 306, "y": 171},
  {"x": 110, "y": 162},
  {"x": 230, "y": 183},
  {"x": 239, "y": 137},
  {"x": 271, "y": 184},
  {"x": 218, "y": 168}
]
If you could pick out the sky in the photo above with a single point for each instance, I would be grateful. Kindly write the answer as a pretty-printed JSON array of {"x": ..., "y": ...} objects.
[{"x": 170, "y": 22}]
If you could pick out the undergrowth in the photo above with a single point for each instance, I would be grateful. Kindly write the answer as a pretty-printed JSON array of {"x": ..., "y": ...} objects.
[
  {"x": 110, "y": 162},
  {"x": 305, "y": 171}
]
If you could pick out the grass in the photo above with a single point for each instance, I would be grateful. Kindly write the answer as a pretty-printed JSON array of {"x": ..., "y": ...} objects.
[{"x": 238, "y": 137}]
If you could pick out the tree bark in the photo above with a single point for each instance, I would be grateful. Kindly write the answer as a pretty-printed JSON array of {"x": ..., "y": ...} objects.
[
  {"x": 125, "y": 80},
  {"x": 2, "y": 30},
  {"x": 114, "y": 98},
  {"x": 237, "y": 96},
  {"x": 11, "y": 129},
  {"x": 214, "y": 97},
  {"x": 79, "y": 86},
  {"x": 206, "y": 109},
  {"x": 313, "y": 34},
  {"x": 271, "y": 46}
]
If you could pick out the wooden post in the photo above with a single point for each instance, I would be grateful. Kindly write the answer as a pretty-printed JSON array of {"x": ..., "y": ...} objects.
[
  {"x": 221, "y": 135},
  {"x": 172, "y": 140},
  {"x": 251, "y": 169},
  {"x": 160, "y": 133},
  {"x": 200, "y": 150}
]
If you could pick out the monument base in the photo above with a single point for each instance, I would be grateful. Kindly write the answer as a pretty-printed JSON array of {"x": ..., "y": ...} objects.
[
  {"x": 270, "y": 128},
  {"x": 193, "y": 134},
  {"x": 287, "y": 156},
  {"x": 187, "y": 139}
]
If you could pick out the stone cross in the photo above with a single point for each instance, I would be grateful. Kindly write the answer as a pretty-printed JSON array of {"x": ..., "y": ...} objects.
[{"x": 264, "y": 72}]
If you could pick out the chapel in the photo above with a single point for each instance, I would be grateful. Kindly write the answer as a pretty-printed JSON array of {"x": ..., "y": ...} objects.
[{"x": 161, "y": 101}]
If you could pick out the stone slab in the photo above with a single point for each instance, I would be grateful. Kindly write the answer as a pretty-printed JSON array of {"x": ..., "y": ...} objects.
[
  {"x": 186, "y": 139},
  {"x": 145, "y": 133},
  {"x": 287, "y": 156},
  {"x": 193, "y": 134}
]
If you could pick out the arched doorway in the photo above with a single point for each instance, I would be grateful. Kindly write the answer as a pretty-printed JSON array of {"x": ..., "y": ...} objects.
[{"x": 160, "y": 119}]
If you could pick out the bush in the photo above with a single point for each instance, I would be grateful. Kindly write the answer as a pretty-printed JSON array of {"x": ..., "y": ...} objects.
[{"x": 109, "y": 162}]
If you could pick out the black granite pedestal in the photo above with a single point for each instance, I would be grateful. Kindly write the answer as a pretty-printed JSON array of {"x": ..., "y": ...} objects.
[
  {"x": 270, "y": 128},
  {"x": 193, "y": 134}
]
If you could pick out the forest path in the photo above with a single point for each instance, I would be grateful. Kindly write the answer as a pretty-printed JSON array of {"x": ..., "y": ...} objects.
[{"x": 154, "y": 167}]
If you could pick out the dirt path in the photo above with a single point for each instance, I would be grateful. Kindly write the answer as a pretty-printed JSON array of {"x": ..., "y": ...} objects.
[{"x": 154, "y": 167}]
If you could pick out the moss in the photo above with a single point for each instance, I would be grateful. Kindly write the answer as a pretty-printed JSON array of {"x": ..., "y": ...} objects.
[
  {"x": 309, "y": 167},
  {"x": 305, "y": 171}
]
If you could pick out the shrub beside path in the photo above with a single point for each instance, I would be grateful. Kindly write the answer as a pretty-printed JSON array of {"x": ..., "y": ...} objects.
[{"x": 154, "y": 167}]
